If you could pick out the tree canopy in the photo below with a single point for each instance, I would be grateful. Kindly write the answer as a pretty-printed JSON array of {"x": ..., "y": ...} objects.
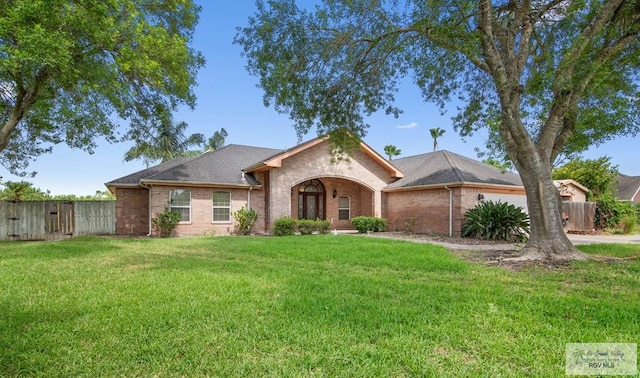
[
  {"x": 391, "y": 151},
  {"x": 547, "y": 73},
  {"x": 161, "y": 139},
  {"x": 598, "y": 175},
  {"x": 72, "y": 71},
  {"x": 435, "y": 134}
]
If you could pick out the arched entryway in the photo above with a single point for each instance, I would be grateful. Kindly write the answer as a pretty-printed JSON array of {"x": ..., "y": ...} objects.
[{"x": 311, "y": 200}]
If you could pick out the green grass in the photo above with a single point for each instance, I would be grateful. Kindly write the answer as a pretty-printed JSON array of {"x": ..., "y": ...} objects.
[{"x": 301, "y": 306}]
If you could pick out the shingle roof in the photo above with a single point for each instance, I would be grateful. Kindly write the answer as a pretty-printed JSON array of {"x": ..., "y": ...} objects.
[
  {"x": 223, "y": 166},
  {"x": 134, "y": 178},
  {"x": 444, "y": 167},
  {"x": 628, "y": 187}
]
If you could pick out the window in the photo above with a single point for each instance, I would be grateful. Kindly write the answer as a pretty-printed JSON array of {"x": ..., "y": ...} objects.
[
  {"x": 344, "y": 208},
  {"x": 180, "y": 201},
  {"x": 221, "y": 206}
]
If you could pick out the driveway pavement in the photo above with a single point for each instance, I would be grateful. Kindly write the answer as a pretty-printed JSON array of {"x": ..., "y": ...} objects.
[
  {"x": 591, "y": 239},
  {"x": 452, "y": 244}
]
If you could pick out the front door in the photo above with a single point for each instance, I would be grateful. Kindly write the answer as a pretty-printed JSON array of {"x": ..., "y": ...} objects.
[{"x": 311, "y": 200}]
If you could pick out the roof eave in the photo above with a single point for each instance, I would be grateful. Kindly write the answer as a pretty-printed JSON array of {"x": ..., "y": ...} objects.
[
  {"x": 198, "y": 184},
  {"x": 455, "y": 185}
]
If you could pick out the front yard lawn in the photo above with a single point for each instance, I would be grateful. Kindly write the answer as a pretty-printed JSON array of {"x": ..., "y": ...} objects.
[{"x": 300, "y": 306}]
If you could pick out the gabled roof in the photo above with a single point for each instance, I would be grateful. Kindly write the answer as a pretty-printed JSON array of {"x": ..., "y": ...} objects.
[
  {"x": 628, "y": 187},
  {"x": 565, "y": 182},
  {"x": 219, "y": 167},
  {"x": 275, "y": 161},
  {"x": 448, "y": 168}
]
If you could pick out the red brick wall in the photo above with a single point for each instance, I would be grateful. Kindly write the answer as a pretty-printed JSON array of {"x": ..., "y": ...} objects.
[
  {"x": 132, "y": 211},
  {"x": 427, "y": 211},
  {"x": 201, "y": 209},
  {"x": 422, "y": 211}
]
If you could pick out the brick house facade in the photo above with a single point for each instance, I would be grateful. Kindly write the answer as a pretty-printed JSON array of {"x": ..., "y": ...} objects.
[{"x": 426, "y": 193}]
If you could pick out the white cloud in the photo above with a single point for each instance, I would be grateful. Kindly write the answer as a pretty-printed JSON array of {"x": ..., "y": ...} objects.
[{"x": 408, "y": 126}]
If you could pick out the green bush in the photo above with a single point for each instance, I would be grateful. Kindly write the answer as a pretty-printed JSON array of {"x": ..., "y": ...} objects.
[
  {"x": 628, "y": 224},
  {"x": 306, "y": 226},
  {"x": 496, "y": 221},
  {"x": 284, "y": 226},
  {"x": 322, "y": 226},
  {"x": 610, "y": 212},
  {"x": 245, "y": 220},
  {"x": 369, "y": 224},
  {"x": 166, "y": 222}
]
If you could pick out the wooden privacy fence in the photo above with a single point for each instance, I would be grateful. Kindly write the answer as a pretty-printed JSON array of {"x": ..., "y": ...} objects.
[
  {"x": 53, "y": 220},
  {"x": 580, "y": 216}
]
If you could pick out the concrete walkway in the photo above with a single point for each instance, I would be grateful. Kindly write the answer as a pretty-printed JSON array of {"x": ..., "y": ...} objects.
[
  {"x": 575, "y": 239},
  {"x": 594, "y": 239}
]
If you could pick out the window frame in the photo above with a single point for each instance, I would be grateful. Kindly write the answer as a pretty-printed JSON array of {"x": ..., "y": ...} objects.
[
  {"x": 172, "y": 206},
  {"x": 341, "y": 209},
  {"x": 214, "y": 207}
]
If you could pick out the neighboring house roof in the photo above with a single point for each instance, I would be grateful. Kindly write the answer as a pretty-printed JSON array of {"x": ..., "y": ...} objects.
[
  {"x": 219, "y": 167},
  {"x": 448, "y": 168},
  {"x": 567, "y": 182},
  {"x": 628, "y": 187}
]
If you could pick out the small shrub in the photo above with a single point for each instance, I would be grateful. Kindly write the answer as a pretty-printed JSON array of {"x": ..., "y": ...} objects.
[
  {"x": 369, "y": 224},
  {"x": 610, "y": 212},
  {"x": 245, "y": 220},
  {"x": 165, "y": 222},
  {"x": 628, "y": 224},
  {"x": 306, "y": 226},
  {"x": 323, "y": 226},
  {"x": 496, "y": 221},
  {"x": 284, "y": 226}
]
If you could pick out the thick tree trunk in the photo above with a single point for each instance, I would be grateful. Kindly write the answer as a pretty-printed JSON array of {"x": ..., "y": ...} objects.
[{"x": 547, "y": 240}]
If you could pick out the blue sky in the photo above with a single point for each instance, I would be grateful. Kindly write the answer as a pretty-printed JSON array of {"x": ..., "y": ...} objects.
[{"x": 228, "y": 97}]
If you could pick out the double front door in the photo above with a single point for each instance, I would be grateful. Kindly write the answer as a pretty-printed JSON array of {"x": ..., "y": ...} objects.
[{"x": 311, "y": 197}]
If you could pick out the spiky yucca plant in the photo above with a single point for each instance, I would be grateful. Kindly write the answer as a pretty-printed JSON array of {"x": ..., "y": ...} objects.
[{"x": 496, "y": 221}]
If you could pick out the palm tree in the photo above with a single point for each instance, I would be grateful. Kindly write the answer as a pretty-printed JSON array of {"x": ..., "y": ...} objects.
[
  {"x": 18, "y": 190},
  {"x": 162, "y": 139},
  {"x": 391, "y": 151},
  {"x": 216, "y": 141},
  {"x": 435, "y": 134}
]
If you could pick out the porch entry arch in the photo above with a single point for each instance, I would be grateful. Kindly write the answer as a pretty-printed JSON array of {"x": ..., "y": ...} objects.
[{"x": 311, "y": 200}]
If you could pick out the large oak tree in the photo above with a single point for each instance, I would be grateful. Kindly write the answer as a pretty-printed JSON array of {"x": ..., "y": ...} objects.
[
  {"x": 72, "y": 71},
  {"x": 547, "y": 72}
]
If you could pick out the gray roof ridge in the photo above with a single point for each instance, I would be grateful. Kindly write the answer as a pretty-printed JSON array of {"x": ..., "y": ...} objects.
[
  {"x": 449, "y": 158},
  {"x": 156, "y": 166}
]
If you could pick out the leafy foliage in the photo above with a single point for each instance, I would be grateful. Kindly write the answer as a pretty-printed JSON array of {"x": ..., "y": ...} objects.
[
  {"x": 165, "y": 222},
  {"x": 546, "y": 75},
  {"x": 391, "y": 151},
  {"x": 245, "y": 220},
  {"x": 369, "y": 224},
  {"x": 284, "y": 226},
  {"x": 496, "y": 221},
  {"x": 161, "y": 139},
  {"x": 25, "y": 191},
  {"x": 72, "y": 72},
  {"x": 216, "y": 141},
  {"x": 435, "y": 134},
  {"x": 610, "y": 211},
  {"x": 598, "y": 175}
]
